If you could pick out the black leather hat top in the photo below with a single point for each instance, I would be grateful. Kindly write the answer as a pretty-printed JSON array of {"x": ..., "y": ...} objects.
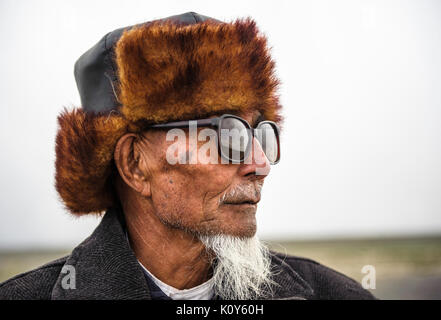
[{"x": 95, "y": 70}]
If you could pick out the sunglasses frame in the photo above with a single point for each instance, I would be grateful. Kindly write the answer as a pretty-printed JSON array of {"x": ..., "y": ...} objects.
[{"x": 217, "y": 122}]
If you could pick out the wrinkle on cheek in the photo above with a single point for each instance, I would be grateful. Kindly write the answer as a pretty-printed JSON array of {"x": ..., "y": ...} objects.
[{"x": 214, "y": 195}]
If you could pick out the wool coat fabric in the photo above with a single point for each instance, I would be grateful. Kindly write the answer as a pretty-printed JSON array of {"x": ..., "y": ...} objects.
[{"x": 107, "y": 269}]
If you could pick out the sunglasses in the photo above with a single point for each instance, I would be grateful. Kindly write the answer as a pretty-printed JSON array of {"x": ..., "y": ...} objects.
[{"x": 235, "y": 136}]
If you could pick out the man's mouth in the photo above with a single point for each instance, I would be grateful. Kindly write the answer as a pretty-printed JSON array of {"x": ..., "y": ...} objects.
[
  {"x": 247, "y": 194},
  {"x": 245, "y": 201}
]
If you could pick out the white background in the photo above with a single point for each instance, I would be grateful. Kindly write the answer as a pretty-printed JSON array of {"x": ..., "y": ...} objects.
[{"x": 361, "y": 87}]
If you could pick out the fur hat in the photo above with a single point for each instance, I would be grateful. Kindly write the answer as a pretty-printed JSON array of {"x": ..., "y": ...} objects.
[{"x": 178, "y": 68}]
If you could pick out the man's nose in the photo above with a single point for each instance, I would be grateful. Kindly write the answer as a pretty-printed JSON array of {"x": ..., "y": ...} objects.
[{"x": 256, "y": 164}]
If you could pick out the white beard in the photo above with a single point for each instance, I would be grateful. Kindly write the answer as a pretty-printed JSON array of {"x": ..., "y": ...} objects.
[{"x": 242, "y": 268}]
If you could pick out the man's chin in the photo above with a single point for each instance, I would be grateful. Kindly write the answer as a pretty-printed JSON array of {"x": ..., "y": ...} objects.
[
  {"x": 237, "y": 220},
  {"x": 233, "y": 220},
  {"x": 246, "y": 230},
  {"x": 243, "y": 222},
  {"x": 241, "y": 229}
]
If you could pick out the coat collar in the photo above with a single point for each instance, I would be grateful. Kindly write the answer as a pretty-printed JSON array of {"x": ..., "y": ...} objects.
[{"x": 106, "y": 268}]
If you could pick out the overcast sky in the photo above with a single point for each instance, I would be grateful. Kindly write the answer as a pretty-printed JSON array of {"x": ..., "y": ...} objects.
[{"x": 361, "y": 87}]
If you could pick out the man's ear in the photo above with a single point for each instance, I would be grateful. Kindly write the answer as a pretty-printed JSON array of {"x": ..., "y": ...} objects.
[{"x": 127, "y": 160}]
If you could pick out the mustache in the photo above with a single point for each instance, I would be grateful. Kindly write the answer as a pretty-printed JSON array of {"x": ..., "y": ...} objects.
[{"x": 243, "y": 193}]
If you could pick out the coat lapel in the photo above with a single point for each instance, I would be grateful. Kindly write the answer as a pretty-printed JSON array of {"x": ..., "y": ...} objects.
[
  {"x": 289, "y": 284},
  {"x": 105, "y": 267}
]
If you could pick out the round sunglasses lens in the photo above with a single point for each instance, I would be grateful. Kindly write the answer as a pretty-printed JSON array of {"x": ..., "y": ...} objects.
[
  {"x": 234, "y": 139},
  {"x": 268, "y": 140}
]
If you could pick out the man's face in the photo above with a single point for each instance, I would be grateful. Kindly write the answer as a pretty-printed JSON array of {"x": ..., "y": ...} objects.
[{"x": 201, "y": 198}]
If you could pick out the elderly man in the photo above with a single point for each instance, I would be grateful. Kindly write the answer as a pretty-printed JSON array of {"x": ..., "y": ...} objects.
[{"x": 178, "y": 128}]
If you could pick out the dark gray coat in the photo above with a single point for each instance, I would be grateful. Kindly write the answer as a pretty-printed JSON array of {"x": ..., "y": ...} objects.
[{"x": 106, "y": 268}]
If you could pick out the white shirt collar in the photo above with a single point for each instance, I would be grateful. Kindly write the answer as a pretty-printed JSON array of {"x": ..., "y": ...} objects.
[{"x": 203, "y": 291}]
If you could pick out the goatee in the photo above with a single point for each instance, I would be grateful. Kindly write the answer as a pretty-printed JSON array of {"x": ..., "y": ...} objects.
[{"x": 241, "y": 267}]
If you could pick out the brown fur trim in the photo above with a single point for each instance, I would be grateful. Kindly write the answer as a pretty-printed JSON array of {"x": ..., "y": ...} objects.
[
  {"x": 173, "y": 72},
  {"x": 84, "y": 153},
  {"x": 166, "y": 72}
]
